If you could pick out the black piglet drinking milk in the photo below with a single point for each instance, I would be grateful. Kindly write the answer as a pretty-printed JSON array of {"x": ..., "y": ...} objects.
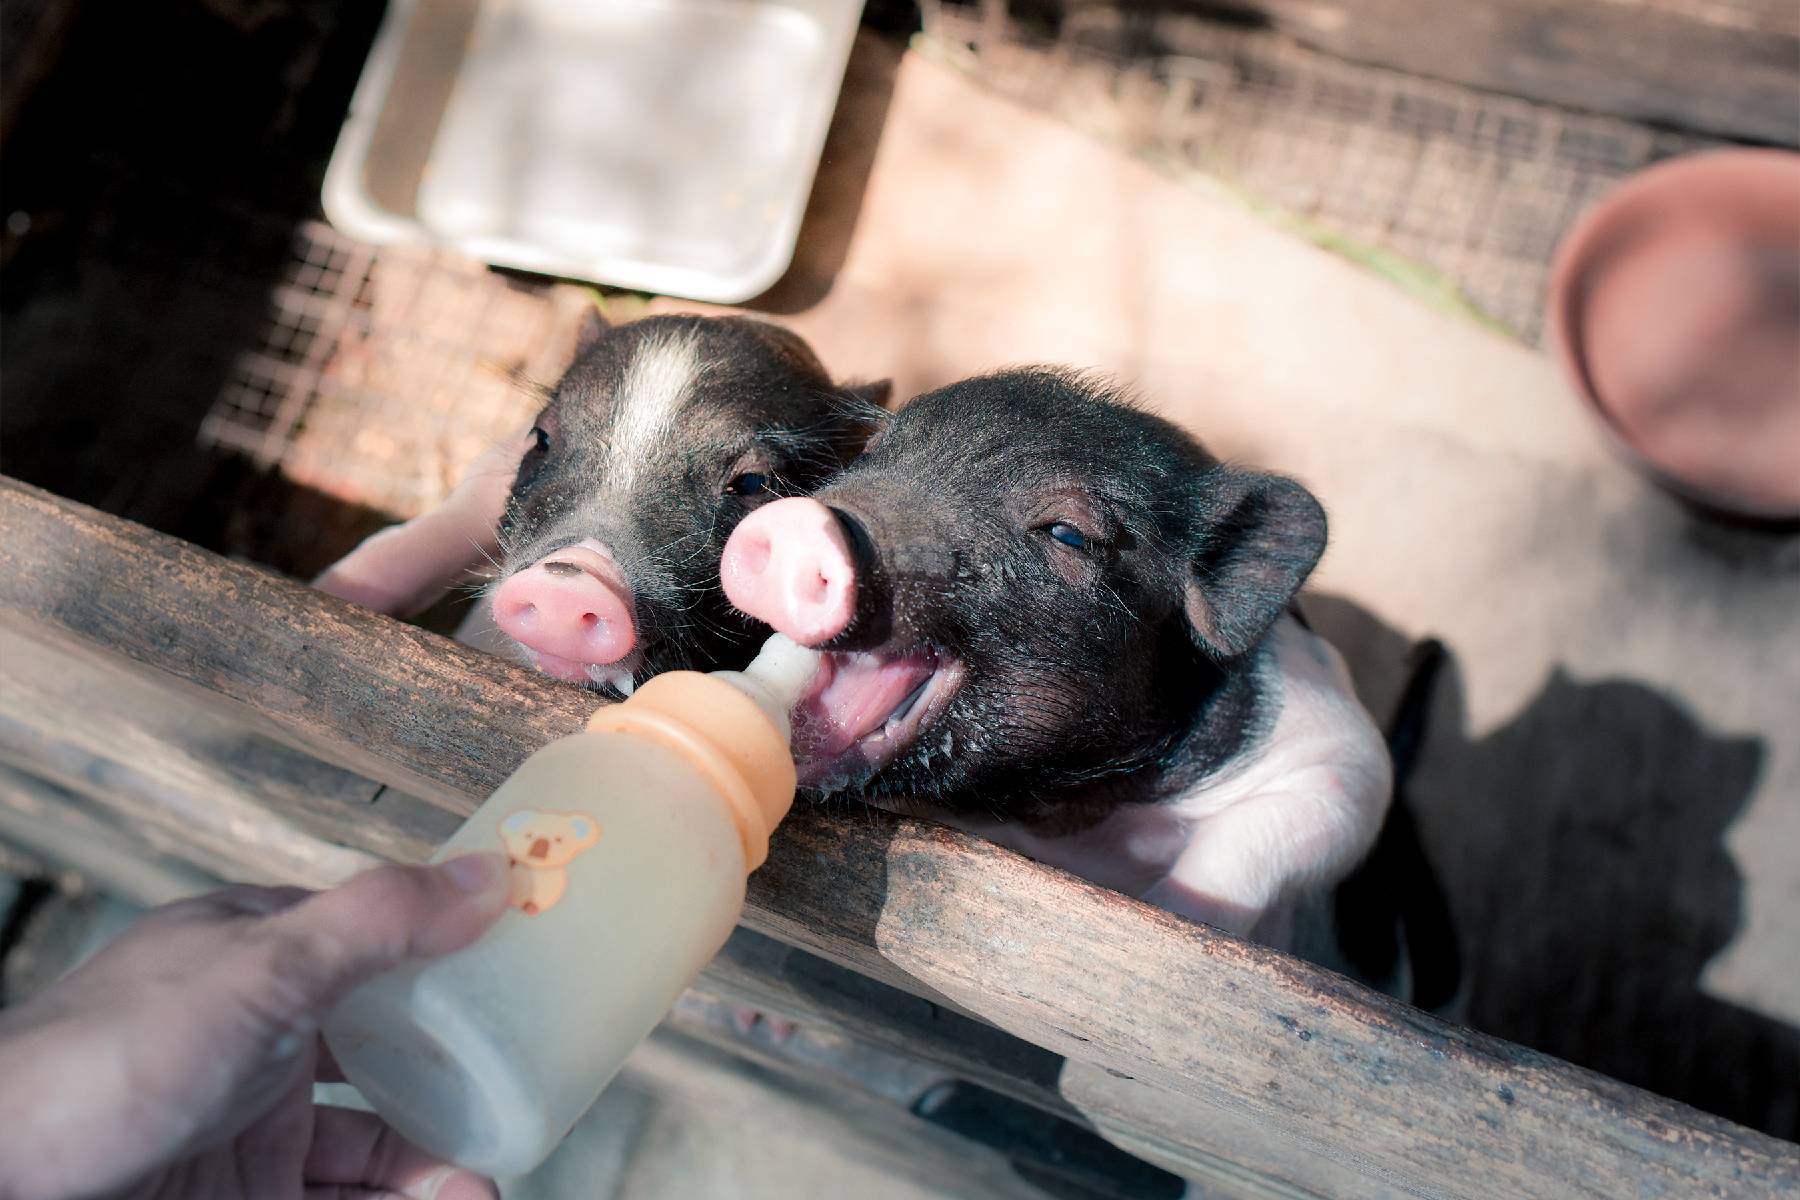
[{"x": 1056, "y": 621}]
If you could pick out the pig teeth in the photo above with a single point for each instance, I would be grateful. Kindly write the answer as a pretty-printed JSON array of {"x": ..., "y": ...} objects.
[
  {"x": 617, "y": 676},
  {"x": 907, "y": 705}
]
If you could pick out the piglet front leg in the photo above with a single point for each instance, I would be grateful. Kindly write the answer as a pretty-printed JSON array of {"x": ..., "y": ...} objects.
[
  {"x": 1302, "y": 830},
  {"x": 1296, "y": 816},
  {"x": 1306, "y": 831},
  {"x": 406, "y": 568}
]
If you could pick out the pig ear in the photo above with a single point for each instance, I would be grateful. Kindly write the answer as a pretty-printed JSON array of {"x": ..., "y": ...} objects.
[
  {"x": 876, "y": 393},
  {"x": 861, "y": 417},
  {"x": 1259, "y": 538},
  {"x": 593, "y": 327}
]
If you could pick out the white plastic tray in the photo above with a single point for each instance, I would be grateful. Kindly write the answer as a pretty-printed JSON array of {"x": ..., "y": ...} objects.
[{"x": 662, "y": 145}]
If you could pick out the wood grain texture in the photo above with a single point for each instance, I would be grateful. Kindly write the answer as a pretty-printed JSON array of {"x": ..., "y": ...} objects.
[
  {"x": 1723, "y": 68},
  {"x": 1229, "y": 1153},
  {"x": 192, "y": 783},
  {"x": 1373, "y": 1088}
]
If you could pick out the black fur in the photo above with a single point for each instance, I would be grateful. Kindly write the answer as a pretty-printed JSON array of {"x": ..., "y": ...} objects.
[
  {"x": 1393, "y": 906},
  {"x": 1083, "y": 665}
]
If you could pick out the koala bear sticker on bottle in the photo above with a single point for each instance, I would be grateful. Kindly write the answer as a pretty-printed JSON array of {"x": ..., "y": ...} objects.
[{"x": 541, "y": 846}]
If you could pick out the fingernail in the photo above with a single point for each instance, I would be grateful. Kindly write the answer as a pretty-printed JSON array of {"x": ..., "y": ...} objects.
[
  {"x": 428, "y": 1187},
  {"x": 452, "y": 1184},
  {"x": 475, "y": 873}
]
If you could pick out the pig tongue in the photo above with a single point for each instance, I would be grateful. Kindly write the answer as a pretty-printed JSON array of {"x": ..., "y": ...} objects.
[{"x": 860, "y": 692}]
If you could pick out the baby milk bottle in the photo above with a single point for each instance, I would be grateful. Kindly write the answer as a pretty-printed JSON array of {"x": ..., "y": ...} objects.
[{"x": 630, "y": 842}]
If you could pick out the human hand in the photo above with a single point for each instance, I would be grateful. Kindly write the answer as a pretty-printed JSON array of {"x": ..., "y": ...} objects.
[
  {"x": 404, "y": 569},
  {"x": 180, "y": 1060}
]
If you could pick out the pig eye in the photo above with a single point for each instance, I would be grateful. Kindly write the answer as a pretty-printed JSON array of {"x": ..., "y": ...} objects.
[
  {"x": 748, "y": 484},
  {"x": 540, "y": 439},
  {"x": 1068, "y": 535}
]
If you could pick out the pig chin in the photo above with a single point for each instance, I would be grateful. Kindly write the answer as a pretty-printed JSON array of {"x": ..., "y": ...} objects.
[{"x": 865, "y": 710}]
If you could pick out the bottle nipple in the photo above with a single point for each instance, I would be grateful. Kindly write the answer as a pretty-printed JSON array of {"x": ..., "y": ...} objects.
[
  {"x": 777, "y": 678},
  {"x": 734, "y": 726}
]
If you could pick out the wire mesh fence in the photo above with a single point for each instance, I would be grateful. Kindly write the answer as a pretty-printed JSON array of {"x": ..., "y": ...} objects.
[
  {"x": 382, "y": 373},
  {"x": 1476, "y": 187}
]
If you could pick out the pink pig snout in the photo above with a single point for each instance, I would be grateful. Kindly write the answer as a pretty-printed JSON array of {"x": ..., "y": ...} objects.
[
  {"x": 789, "y": 565},
  {"x": 572, "y": 605}
]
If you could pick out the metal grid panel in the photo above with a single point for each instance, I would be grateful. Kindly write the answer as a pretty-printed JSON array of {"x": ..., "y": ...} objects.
[
  {"x": 1475, "y": 187},
  {"x": 310, "y": 308},
  {"x": 381, "y": 375}
]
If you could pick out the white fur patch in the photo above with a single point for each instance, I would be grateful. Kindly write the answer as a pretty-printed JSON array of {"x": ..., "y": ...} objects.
[
  {"x": 658, "y": 381},
  {"x": 1292, "y": 816}
]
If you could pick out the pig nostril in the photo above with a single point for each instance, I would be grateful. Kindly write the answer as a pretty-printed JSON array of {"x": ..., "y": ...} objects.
[
  {"x": 589, "y": 620},
  {"x": 525, "y": 615},
  {"x": 817, "y": 588}
]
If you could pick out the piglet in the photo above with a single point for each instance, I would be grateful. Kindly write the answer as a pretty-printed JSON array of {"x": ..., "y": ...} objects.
[
  {"x": 1056, "y": 621},
  {"x": 607, "y": 519}
]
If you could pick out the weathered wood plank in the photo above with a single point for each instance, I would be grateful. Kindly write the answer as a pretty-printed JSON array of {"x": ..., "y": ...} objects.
[
  {"x": 1731, "y": 69},
  {"x": 1370, "y": 1085},
  {"x": 237, "y": 639},
  {"x": 1228, "y": 1153},
  {"x": 181, "y": 766},
  {"x": 60, "y": 827}
]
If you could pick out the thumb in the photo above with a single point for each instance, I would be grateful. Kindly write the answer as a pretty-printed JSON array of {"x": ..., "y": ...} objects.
[{"x": 326, "y": 945}]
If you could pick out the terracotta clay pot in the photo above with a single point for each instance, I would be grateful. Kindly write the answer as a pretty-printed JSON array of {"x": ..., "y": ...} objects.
[{"x": 1675, "y": 307}]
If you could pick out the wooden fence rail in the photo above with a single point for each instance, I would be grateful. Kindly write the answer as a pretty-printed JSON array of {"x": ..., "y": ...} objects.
[
  {"x": 1723, "y": 67},
  {"x": 170, "y": 684}
]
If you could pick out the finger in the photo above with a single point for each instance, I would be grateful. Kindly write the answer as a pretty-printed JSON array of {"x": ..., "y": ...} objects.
[
  {"x": 451, "y": 1185},
  {"x": 248, "y": 900},
  {"x": 456, "y": 1185},
  {"x": 321, "y": 948},
  {"x": 238, "y": 900},
  {"x": 353, "y": 1149}
]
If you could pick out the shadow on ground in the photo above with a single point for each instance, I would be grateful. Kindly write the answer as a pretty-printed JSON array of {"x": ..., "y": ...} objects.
[{"x": 1581, "y": 846}]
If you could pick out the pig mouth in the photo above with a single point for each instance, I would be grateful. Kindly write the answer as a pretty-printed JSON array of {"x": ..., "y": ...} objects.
[{"x": 864, "y": 709}]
